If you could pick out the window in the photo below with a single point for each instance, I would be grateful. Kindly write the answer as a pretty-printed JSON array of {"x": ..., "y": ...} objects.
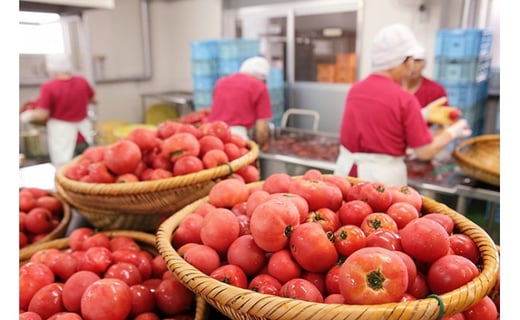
[{"x": 40, "y": 33}]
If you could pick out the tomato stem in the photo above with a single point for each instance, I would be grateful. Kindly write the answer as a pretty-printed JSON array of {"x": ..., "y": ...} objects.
[{"x": 375, "y": 280}]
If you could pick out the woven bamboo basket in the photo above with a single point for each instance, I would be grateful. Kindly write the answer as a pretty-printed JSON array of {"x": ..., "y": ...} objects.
[
  {"x": 479, "y": 158},
  {"x": 142, "y": 205},
  {"x": 237, "y": 303},
  {"x": 145, "y": 240}
]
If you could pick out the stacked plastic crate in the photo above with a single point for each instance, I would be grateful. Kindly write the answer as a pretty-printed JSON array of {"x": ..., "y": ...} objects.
[
  {"x": 275, "y": 85},
  {"x": 212, "y": 59},
  {"x": 462, "y": 66}
]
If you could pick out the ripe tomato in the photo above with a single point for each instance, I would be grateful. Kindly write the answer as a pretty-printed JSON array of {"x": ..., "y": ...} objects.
[
  {"x": 96, "y": 240},
  {"x": 246, "y": 254},
  {"x": 425, "y": 240},
  {"x": 277, "y": 183},
  {"x": 312, "y": 174},
  {"x": 353, "y": 212},
  {"x": 50, "y": 203},
  {"x": 65, "y": 316},
  {"x": 123, "y": 156},
  {"x": 354, "y": 193},
  {"x": 402, "y": 213},
  {"x": 180, "y": 144},
  {"x": 299, "y": 201},
  {"x": 318, "y": 193},
  {"x": 254, "y": 199},
  {"x": 77, "y": 236},
  {"x": 463, "y": 245},
  {"x": 62, "y": 264},
  {"x": 172, "y": 297},
  {"x": 377, "y": 195},
  {"x": 32, "y": 277},
  {"x": 187, "y": 164},
  {"x": 484, "y": 309},
  {"x": 74, "y": 288},
  {"x": 349, "y": 238},
  {"x": 202, "y": 257},
  {"x": 265, "y": 283},
  {"x": 377, "y": 221},
  {"x": 325, "y": 217},
  {"x": 410, "y": 266},
  {"x": 188, "y": 231},
  {"x": 210, "y": 143},
  {"x": 336, "y": 298},
  {"x": 39, "y": 220},
  {"x": 250, "y": 173},
  {"x": 406, "y": 194},
  {"x": 230, "y": 274},
  {"x": 272, "y": 223},
  {"x": 283, "y": 267},
  {"x": 384, "y": 239},
  {"x": 450, "y": 272},
  {"x": 214, "y": 158},
  {"x": 228, "y": 192},
  {"x": 373, "y": 276},
  {"x": 124, "y": 271},
  {"x": 27, "y": 201},
  {"x": 317, "y": 278},
  {"x": 47, "y": 300},
  {"x": 145, "y": 139},
  {"x": 443, "y": 220},
  {"x": 232, "y": 151},
  {"x": 106, "y": 299},
  {"x": 96, "y": 259},
  {"x": 419, "y": 288},
  {"x": 219, "y": 229},
  {"x": 143, "y": 299},
  {"x": 332, "y": 279},
  {"x": 341, "y": 182},
  {"x": 301, "y": 289},
  {"x": 311, "y": 247}
]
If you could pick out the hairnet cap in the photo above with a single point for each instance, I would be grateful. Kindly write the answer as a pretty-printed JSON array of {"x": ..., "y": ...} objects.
[
  {"x": 419, "y": 53},
  {"x": 391, "y": 46},
  {"x": 58, "y": 63},
  {"x": 256, "y": 66}
]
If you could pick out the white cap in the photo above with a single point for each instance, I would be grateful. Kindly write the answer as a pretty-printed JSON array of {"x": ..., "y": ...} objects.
[
  {"x": 419, "y": 53},
  {"x": 256, "y": 66},
  {"x": 391, "y": 46},
  {"x": 58, "y": 63}
]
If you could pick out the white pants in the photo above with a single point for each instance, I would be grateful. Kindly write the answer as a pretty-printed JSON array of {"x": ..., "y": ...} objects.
[
  {"x": 374, "y": 167},
  {"x": 241, "y": 131},
  {"x": 62, "y": 137}
]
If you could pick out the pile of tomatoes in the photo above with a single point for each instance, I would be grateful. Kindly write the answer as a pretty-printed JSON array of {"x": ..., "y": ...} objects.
[
  {"x": 40, "y": 213},
  {"x": 98, "y": 278},
  {"x": 321, "y": 238},
  {"x": 173, "y": 149}
]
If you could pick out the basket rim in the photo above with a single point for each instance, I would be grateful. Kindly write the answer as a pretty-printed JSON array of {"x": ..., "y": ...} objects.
[
  {"x": 462, "y": 159},
  {"x": 427, "y": 308},
  {"x": 156, "y": 185}
]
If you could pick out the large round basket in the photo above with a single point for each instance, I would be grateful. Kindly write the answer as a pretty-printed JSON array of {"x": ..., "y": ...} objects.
[
  {"x": 479, "y": 158},
  {"x": 142, "y": 205},
  {"x": 145, "y": 240},
  {"x": 237, "y": 303}
]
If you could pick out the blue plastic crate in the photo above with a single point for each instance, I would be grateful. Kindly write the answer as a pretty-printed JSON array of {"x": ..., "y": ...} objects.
[
  {"x": 462, "y": 69},
  {"x": 204, "y": 67},
  {"x": 204, "y": 50},
  {"x": 460, "y": 43},
  {"x": 277, "y": 94},
  {"x": 229, "y": 66},
  {"x": 204, "y": 82},
  {"x": 275, "y": 78},
  {"x": 465, "y": 94},
  {"x": 238, "y": 48},
  {"x": 202, "y": 99}
]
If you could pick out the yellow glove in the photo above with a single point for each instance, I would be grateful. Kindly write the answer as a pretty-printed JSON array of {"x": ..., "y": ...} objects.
[{"x": 438, "y": 113}]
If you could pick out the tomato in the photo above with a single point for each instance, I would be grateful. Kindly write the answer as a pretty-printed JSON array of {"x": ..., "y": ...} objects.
[
  {"x": 27, "y": 200},
  {"x": 74, "y": 288},
  {"x": 410, "y": 267},
  {"x": 32, "y": 277},
  {"x": 254, "y": 199},
  {"x": 143, "y": 299},
  {"x": 39, "y": 220},
  {"x": 214, "y": 158},
  {"x": 317, "y": 278},
  {"x": 96, "y": 240},
  {"x": 123, "y": 242},
  {"x": 167, "y": 128},
  {"x": 98, "y": 172},
  {"x": 65, "y": 316},
  {"x": 122, "y": 156},
  {"x": 384, "y": 239},
  {"x": 419, "y": 288},
  {"x": 202, "y": 257},
  {"x": 332, "y": 279},
  {"x": 95, "y": 259},
  {"x": 377, "y": 221},
  {"x": 318, "y": 193},
  {"x": 246, "y": 254},
  {"x": 219, "y": 229},
  {"x": 312, "y": 248},
  {"x": 265, "y": 283},
  {"x": 172, "y": 297},
  {"x": 232, "y": 151},
  {"x": 336, "y": 298},
  {"x": 186, "y": 165},
  {"x": 349, "y": 238},
  {"x": 325, "y": 217},
  {"x": 353, "y": 212},
  {"x": 210, "y": 143},
  {"x": 140, "y": 259},
  {"x": 312, "y": 174},
  {"x": 463, "y": 245},
  {"x": 62, "y": 264},
  {"x": 277, "y": 183},
  {"x": 125, "y": 271},
  {"x": 77, "y": 236},
  {"x": 457, "y": 316},
  {"x": 250, "y": 173},
  {"x": 160, "y": 161},
  {"x": 190, "y": 128},
  {"x": 402, "y": 213},
  {"x": 228, "y": 192},
  {"x": 425, "y": 240},
  {"x": 50, "y": 203},
  {"x": 230, "y": 274},
  {"x": 220, "y": 129},
  {"x": 484, "y": 309},
  {"x": 188, "y": 230},
  {"x": 282, "y": 266},
  {"x": 180, "y": 144},
  {"x": 444, "y": 220},
  {"x": 106, "y": 299},
  {"x": 272, "y": 223},
  {"x": 47, "y": 300},
  {"x": 450, "y": 272},
  {"x": 299, "y": 201},
  {"x": 373, "y": 276},
  {"x": 301, "y": 289},
  {"x": 406, "y": 194},
  {"x": 341, "y": 182},
  {"x": 354, "y": 193},
  {"x": 377, "y": 195}
]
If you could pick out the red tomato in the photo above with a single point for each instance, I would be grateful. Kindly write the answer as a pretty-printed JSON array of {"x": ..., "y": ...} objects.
[
  {"x": 265, "y": 283},
  {"x": 214, "y": 158},
  {"x": 406, "y": 194},
  {"x": 349, "y": 238},
  {"x": 484, "y": 309},
  {"x": 336, "y": 298},
  {"x": 425, "y": 240},
  {"x": 95, "y": 259},
  {"x": 312, "y": 174},
  {"x": 254, "y": 199},
  {"x": 65, "y": 316},
  {"x": 143, "y": 299},
  {"x": 299, "y": 201},
  {"x": 39, "y": 220},
  {"x": 220, "y": 129},
  {"x": 228, "y": 192},
  {"x": 301, "y": 289},
  {"x": 230, "y": 274},
  {"x": 106, "y": 299},
  {"x": 250, "y": 173},
  {"x": 62, "y": 264},
  {"x": 122, "y": 156},
  {"x": 402, "y": 213},
  {"x": 96, "y": 240},
  {"x": 410, "y": 266},
  {"x": 341, "y": 182},
  {"x": 463, "y": 245},
  {"x": 202, "y": 257},
  {"x": 172, "y": 297},
  {"x": 246, "y": 254},
  {"x": 74, "y": 288},
  {"x": 377, "y": 221},
  {"x": 32, "y": 277},
  {"x": 77, "y": 236},
  {"x": 219, "y": 229},
  {"x": 317, "y": 278},
  {"x": 186, "y": 165},
  {"x": 354, "y": 193},
  {"x": 27, "y": 200},
  {"x": 126, "y": 178},
  {"x": 180, "y": 144},
  {"x": 232, "y": 151},
  {"x": 210, "y": 143},
  {"x": 311, "y": 247},
  {"x": 47, "y": 300},
  {"x": 457, "y": 316},
  {"x": 50, "y": 203},
  {"x": 188, "y": 231},
  {"x": 419, "y": 288},
  {"x": 353, "y": 212},
  {"x": 325, "y": 217},
  {"x": 145, "y": 138},
  {"x": 272, "y": 223},
  {"x": 125, "y": 271},
  {"x": 277, "y": 183},
  {"x": 332, "y": 279},
  {"x": 283, "y": 267},
  {"x": 318, "y": 193},
  {"x": 376, "y": 195},
  {"x": 444, "y": 220},
  {"x": 450, "y": 272},
  {"x": 384, "y": 239},
  {"x": 373, "y": 276}
]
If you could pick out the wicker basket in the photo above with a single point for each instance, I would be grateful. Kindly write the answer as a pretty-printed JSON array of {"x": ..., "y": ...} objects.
[
  {"x": 145, "y": 240},
  {"x": 142, "y": 205},
  {"x": 479, "y": 158},
  {"x": 238, "y": 303}
]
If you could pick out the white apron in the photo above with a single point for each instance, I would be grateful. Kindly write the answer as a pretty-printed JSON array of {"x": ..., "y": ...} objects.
[
  {"x": 241, "y": 131},
  {"x": 376, "y": 167},
  {"x": 62, "y": 137}
]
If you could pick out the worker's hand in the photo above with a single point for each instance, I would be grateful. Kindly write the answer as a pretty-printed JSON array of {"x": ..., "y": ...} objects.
[
  {"x": 438, "y": 113},
  {"x": 459, "y": 129},
  {"x": 26, "y": 116}
]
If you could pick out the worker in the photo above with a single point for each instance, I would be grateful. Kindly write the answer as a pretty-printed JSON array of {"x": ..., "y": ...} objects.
[
  {"x": 381, "y": 119},
  {"x": 242, "y": 101},
  {"x": 63, "y": 106}
]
